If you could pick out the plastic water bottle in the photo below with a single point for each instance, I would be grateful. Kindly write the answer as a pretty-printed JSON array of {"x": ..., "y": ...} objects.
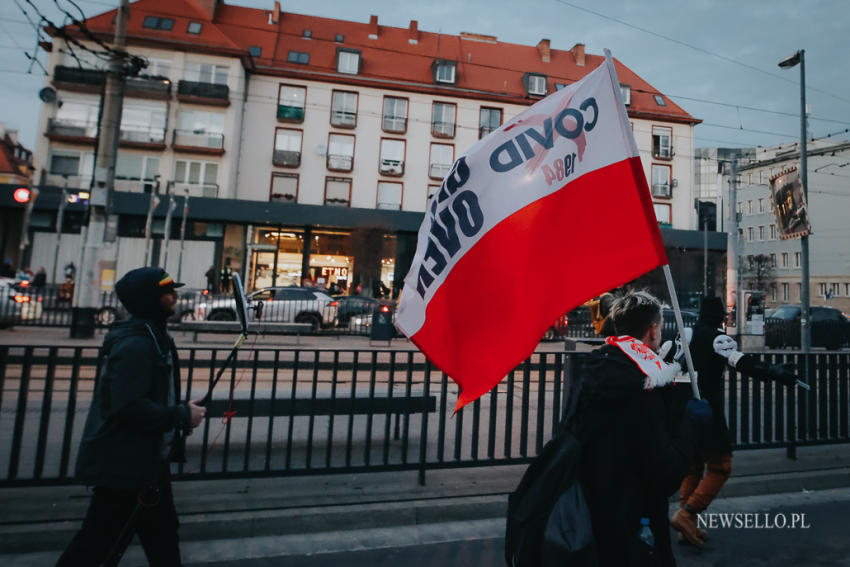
[{"x": 645, "y": 534}]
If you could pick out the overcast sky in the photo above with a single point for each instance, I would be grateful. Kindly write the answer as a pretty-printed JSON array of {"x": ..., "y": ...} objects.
[{"x": 722, "y": 51}]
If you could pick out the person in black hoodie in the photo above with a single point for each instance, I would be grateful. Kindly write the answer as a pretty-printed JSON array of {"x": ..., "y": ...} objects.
[
  {"x": 135, "y": 427},
  {"x": 635, "y": 454}
]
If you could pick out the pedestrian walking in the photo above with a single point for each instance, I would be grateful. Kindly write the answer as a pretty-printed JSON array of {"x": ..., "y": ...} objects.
[
  {"x": 226, "y": 276},
  {"x": 635, "y": 453},
  {"x": 70, "y": 270},
  {"x": 210, "y": 275},
  {"x": 712, "y": 350},
  {"x": 40, "y": 279},
  {"x": 135, "y": 427}
]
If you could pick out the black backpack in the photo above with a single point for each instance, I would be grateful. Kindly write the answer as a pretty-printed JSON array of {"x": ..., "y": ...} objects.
[{"x": 548, "y": 519}]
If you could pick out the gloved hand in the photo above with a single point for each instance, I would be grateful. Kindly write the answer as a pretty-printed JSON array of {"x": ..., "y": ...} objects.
[
  {"x": 783, "y": 373},
  {"x": 699, "y": 411},
  {"x": 668, "y": 354},
  {"x": 726, "y": 347}
]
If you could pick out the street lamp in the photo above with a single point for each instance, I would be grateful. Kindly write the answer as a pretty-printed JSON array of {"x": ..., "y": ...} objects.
[{"x": 805, "y": 321}]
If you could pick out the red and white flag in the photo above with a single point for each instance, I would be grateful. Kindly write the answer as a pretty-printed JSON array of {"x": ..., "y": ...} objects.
[{"x": 546, "y": 212}]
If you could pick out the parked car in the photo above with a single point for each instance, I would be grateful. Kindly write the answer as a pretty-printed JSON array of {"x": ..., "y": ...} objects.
[
  {"x": 830, "y": 328},
  {"x": 557, "y": 330},
  {"x": 280, "y": 305},
  {"x": 25, "y": 304},
  {"x": 112, "y": 309},
  {"x": 347, "y": 306}
]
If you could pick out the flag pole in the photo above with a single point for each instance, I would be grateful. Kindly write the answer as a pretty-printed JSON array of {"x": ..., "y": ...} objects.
[{"x": 681, "y": 324}]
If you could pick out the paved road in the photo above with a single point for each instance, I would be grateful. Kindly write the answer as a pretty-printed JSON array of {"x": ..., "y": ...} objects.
[{"x": 824, "y": 543}]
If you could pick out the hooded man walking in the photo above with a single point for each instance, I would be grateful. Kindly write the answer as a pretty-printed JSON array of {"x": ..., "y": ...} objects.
[{"x": 135, "y": 427}]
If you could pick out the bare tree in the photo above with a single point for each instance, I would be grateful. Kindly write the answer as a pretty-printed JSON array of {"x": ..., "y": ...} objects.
[{"x": 759, "y": 272}]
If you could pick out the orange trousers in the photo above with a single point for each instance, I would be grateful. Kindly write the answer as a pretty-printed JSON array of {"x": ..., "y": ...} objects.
[{"x": 707, "y": 475}]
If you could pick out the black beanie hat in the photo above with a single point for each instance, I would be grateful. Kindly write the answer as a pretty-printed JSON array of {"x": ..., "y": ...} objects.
[
  {"x": 140, "y": 291},
  {"x": 712, "y": 310}
]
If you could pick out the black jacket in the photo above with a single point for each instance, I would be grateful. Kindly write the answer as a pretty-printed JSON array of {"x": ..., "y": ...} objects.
[
  {"x": 711, "y": 368},
  {"x": 122, "y": 442},
  {"x": 635, "y": 457}
]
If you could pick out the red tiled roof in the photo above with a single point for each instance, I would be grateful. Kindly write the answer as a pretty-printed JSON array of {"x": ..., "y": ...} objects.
[{"x": 485, "y": 69}]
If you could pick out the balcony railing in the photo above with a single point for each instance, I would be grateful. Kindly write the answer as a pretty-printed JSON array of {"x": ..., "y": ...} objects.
[
  {"x": 135, "y": 185},
  {"x": 140, "y": 135},
  {"x": 77, "y": 129},
  {"x": 286, "y": 158},
  {"x": 290, "y": 113},
  {"x": 336, "y": 202},
  {"x": 196, "y": 189},
  {"x": 446, "y": 129},
  {"x": 77, "y": 76},
  {"x": 210, "y": 92},
  {"x": 395, "y": 123},
  {"x": 439, "y": 170},
  {"x": 392, "y": 167},
  {"x": 390, "y": 206},
  {"x": 484, "y": 130},
  {"x": 198, "y": 140},
  {"x": 148, "y": 87},
  {"x": 661, "y": 190},
  {"x": 344, "y": 119},
  {"x": 74, "y": 181},
  {"x": 282, "y": 197},
  {"x": 662, "y": 151},
  {"x": 342, "y": 163}
]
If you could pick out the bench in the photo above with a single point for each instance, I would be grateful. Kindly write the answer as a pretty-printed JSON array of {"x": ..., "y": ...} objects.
[
  {"x": 284, "y": 407},
  {"x": 233, "y": 327}
]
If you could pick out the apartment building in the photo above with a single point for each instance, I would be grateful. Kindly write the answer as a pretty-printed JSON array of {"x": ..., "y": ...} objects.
[{"x": 308, "y": 147}]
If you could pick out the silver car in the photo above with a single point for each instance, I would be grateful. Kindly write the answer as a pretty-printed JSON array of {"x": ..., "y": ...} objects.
[{"x": 279, "y": 305}]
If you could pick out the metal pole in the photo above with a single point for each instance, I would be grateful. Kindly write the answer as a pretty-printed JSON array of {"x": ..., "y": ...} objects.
[
  {"x": 60, "y": 217},
  {"x": 677, "y": 312},
  {"x": 705, "y": 258},
  {"x": 153, "y": 205},
  {"x": 182, "y": 236},
  {"x": 805, "y": 320},
  {"x": 732, "y": 246},
  {"x": 168, "y": 215}
]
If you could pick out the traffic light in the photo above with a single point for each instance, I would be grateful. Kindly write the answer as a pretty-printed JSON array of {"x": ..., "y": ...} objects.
[{"x": 21, "y": 195}]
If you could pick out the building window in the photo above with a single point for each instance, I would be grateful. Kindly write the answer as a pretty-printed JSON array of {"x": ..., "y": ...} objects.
[
  {"x": 785, "y": 259},
  {"x": 348, "y": 61},
  {"x": 626, "y": 94},
  {"x": 255, "y": 50},
  {"x": 344, "y": 109},
  {"x": 799, "y": 293},
  {"x": 441, "y": 160},
  {"x": 749, "y": 207},
  {"x": 444, "y": 71},
  {"x": 659, "y": 100},
  {"x": 284, "y": 187},
  {"x": 773, "y": 232},
  {"x": 395, "y": 114},
  {"x": 194, "y": 28},
  {"x": 200, "y": 122},
  {"x": 339, "y": 38},
  {"x": 535, "y": 85},
  {"x": 299, "y": 57},
  {"x": 154, "y": 23},
  {"x": 750, "y": 234},
  {"x": 772, "y": 260},
  {"x": 64, "y": 163},
  {"x": 847, "y": 290},
  {"x": 290, "y": 103},
  {"x": 206, "y": 73},
  {"x": 135, "y": 167},
  {"x": 194, "y": 175},
  {"x": 773, "y": 294},
  {"x": 338, "y": 191},
  {"x": 785, "y": 294},
  {"x": 822, "y": 289},
  {"x": 392, "y": 157},
  {"x": 340, "y": 152},
  {"x": 307, "y": 34},
  {"x": 796, "y": 259},
  {"x": 287, "y": 147},
  {"x": 662, "y": 142},
  {"x": 432, "y": 190},
  {"x": 489, "y": 120},
  {"x": 761, "y": 205},
  {"x": 662, "y": 214},
  {"x": 443, "y": 119},
  {"x": 661, "y": 181},
  {"x": 559, "y": 86},
  {"x": 761, "y": 233},
  {"x": 739, "y": 208},
  {"x": 389, "y": 195}
]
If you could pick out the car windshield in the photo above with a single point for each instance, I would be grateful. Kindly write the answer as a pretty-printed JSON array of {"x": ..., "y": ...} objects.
[{"x": 787, "y": 312}]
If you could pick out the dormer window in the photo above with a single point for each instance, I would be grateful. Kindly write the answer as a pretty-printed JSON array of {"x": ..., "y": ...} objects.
[
  {"x": 626, "y": 94},
  {"x": 348, "y": 61},
  {"x": 194, "y": 28},
  {"x": 255, "y": 50},
  {"x": 659, "y": 100},
  {"x": 155, "y": 23},
  {"x": 339, "y": 38},
  {"x": 307, "y": 34},
  {"x": 535, "y": 85},
  {"x": 444, "y": 71},
  {"x": 298, "y": 57}
]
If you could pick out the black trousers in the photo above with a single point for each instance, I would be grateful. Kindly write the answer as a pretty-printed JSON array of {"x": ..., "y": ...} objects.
[{"x": 108, "y": 513}]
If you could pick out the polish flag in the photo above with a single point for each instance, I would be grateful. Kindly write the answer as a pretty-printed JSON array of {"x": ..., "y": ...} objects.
[{"x": 544, "y": 213}]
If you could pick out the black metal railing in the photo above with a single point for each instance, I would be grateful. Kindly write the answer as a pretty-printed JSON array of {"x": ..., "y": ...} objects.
[
  {"x": 301, "y": 412},
  {"x": 65, "y": 128},
  {"x": 159, "y": 87},
  {"x": 286, "y": 158},
  {"x": 93, "y": 77},
  {"x": 203, "y": 90}
]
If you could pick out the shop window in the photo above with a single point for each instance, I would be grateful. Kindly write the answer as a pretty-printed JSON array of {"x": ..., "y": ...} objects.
[
  {"x": 661, "y": 181},
  {"x": 394, "y": 114},
  {"x": 284, "y": 187},
  {"x": 392, "y": 157},
  {"x": 340, "y": 152},
  {"x": 443, "y": 119},
  {"x": 287, "y": 147},
  {"x": 441, "y": 160},
  {"x": 389, "y": 195},
  {"x": 489, "y": 119},
  {"x": 290, "y": 103},
  {"x": 661, "y": 142},
  {"x": 348, "y": 61},
  {"x": 344, "y": 109},
  {"x": 338, "y": 191}
]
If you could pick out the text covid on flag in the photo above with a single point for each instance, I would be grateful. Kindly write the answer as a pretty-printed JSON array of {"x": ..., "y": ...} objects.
[{"x": 547, "y": 211}]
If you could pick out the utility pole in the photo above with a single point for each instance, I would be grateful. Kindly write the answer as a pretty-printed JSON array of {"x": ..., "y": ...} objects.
[
  {"x": 182, "y": 236},
  {"x": 705, "y": 258},
  {"x": 805, "y": 318},
  {"x": 172, "y": 204},
  {"x": 60, "y": 217},
  {"x": 98, "y": 230},
  {"x": 732, "y": 303}
]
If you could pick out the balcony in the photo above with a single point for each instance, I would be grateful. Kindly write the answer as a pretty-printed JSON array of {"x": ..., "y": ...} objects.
[
  {"x": 198, "y": 142},
  {"x": 203, "y": 93},
  {"x": 286, "y": 158},
  {"x": 74, "y": 181},
  {"x": 439, "y": 170},
  {"x": 80, "y": 80},
  {"x": 71, "y": 131},
  {"x": 394, "y": 124},
  {"x": 443, "y": 129},
  {"x": 144, "y": 138},
  {"x": 134, "y": 185},
  {"x": 340, "y": 163},
  {"x": 157, "y": 88},
  {"x": 392, "y": 167},
  {"x": 209, "y": 190},
  {"x": 342, "y": 119},
  {"x": 290, "y": 113}
]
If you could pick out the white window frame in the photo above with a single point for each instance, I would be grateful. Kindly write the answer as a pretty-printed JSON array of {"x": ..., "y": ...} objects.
[
  {"x": 443, "y": 119},
  {"x": 440, "y": 162},
  {"x": 338, "y": 199},
  {"x": 344, "y": 109},
  {"x": 394, "y": 118},
  {"x": 445, "y": 72},
  {"x": 664, "y": 134},
  {"x": 665, "y": 211},
  {"x": 386, "y": 195},
  {"x": 348, "y": 62},
  {"x": 388, "y": 164},
  {"x": 339, "y": 158},
  {"x": 289, "y": 177},
  {"x": 194, "y": 71},
  {"x": 750, "y": 234},
  {"x": 796, "y": 259},
  {"x": 626, "y": 94},
  {"x": 761, "y": 233},
  {"x": 662, "y": 190},
  {"x": 536, "y": 84},
  {"x": 786, "y": 294},
  {"x": 784, "y": 259}
]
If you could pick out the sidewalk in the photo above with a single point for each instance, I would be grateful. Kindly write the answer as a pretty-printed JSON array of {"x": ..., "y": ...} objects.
[{"x": 291, "y": 514}]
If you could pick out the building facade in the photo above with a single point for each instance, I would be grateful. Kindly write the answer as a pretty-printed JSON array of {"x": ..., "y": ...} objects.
[
  {"x": 15, "y": 171},
  {"x": 308, "y": 147}
]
